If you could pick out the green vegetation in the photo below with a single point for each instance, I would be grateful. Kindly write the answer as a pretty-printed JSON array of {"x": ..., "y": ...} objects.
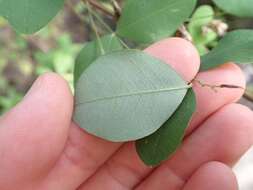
[
  {"x": 121, "y": 93},
  {"x": 24, "y": 58}
]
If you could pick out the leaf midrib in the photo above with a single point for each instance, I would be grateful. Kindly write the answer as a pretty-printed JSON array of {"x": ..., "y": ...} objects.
[{"x": 136, "y": 94}]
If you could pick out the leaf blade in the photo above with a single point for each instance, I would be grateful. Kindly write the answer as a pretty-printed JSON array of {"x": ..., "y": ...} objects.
[
  {"x": 126, "y": 118},
  {"x": 135, "y": 93},
  {"x": 28, "y": 16},
  {"x": 91, "y": 51},
  {"x": 148, "y": 21},
  {"x": 202, "y": 17},
  {"x": 236, "y": 46},
  {"x": 160, "y": 145},
  {"x": 240, "y": 8}
]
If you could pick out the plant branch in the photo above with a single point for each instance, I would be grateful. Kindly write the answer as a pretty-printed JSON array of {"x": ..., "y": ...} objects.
[
  {"x": 215, "y": 87},
  {"x": 99, "y": 19},
  {"x": 98, "y": 6},
  {"x": 95, "y": 28},
  {"x": 108, "y": 28}
]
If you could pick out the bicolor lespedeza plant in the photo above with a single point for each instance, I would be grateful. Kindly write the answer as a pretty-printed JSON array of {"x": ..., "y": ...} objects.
[{"x": 123, "y": 94}]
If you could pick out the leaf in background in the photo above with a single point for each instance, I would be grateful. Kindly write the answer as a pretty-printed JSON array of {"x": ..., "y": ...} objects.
[
  {"x": 91, "y": 51},
  {"x": 201, "y": 18},
  {"x": 160, "y": 145},
  {"x": 148, "y": 21},
  {"x": 127, "y": 95},
  {"x": 29, "y": 16},
  {"x": 236, "y": 46},
  {"x": 240, "y": 8}
]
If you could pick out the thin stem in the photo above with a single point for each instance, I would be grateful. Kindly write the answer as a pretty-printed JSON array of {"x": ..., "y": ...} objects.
[
  {"x": 122, "y": 42},
  {"x": 98, "y": 6},
  {"x": 214, "y": 87},
  {"x": 95, "y": 28},
  {"x": 108, "y": 28},
  {"x": 99, "y": 19}
]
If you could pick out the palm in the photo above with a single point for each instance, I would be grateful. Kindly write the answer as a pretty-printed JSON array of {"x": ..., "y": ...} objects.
[{"x": 41, "y": 149}]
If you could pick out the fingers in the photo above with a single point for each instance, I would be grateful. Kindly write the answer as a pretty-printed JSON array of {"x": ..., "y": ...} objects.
[
  {"x": 82, "y": 156},
  {"x": 85, "y": 145},
  {"x": 33, "y": 134},
  {"x": 210, "y": 176},
  {"x": 124, "y": 170},
  {"x": 173, "y": 51},
  {"x": 176, "y": 56},
  {"x": 224, "y": 137},
  {"x": 122, "y": 163}
]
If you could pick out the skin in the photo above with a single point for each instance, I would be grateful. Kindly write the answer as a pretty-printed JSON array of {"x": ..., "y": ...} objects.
[{"x": 41, "y": 148}]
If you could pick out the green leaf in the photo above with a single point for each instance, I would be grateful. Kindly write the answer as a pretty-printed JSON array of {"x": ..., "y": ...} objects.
[
  {"x": 164, "y": 142},
  {"x": 202, "y": 17},
  {"x": 240, "y": 8},
  {"x": 92, "y": 50},
  {"x": 29, "y": 16},
  {"x": 148, "y": 21},
  {"x": 236, "y": 46},
  {"x": 127, "y": 95}
]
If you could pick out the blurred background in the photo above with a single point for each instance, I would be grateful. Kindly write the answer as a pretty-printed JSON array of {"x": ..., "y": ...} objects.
[{"x": 54, "y": 48}]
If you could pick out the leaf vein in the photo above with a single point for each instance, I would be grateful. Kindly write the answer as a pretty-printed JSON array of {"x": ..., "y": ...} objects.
[{"x": 136, "y": 94}]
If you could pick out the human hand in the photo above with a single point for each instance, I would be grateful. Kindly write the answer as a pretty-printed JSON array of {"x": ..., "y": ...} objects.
[{"x": 42, "y": 149}]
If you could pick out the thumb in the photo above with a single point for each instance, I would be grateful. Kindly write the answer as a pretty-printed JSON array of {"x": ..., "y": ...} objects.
[{"x": 32, "y": 135}]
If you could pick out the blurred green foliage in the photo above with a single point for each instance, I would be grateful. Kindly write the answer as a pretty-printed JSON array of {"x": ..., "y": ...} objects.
[
  {"x": 59, "y": 59},
  {"x": 24, "y": 58}
]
